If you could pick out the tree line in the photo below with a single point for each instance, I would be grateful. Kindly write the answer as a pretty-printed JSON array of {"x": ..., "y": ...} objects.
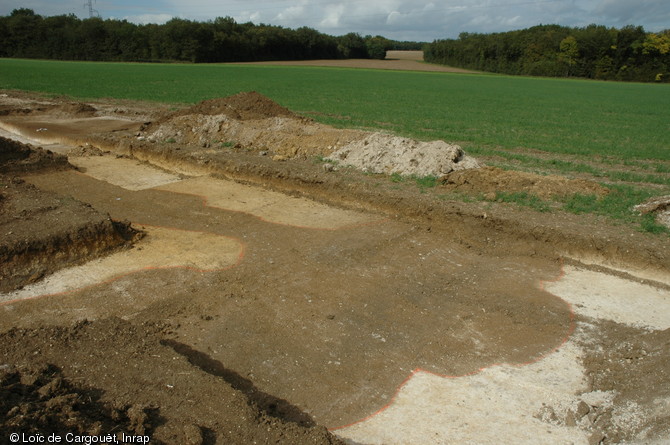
[
  {"x": 24, "y": 34},
  {"x": 594, "y": 52}
]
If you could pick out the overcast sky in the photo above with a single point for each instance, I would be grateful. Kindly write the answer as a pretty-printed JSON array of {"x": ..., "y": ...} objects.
[{"x": 418, "y": 20}]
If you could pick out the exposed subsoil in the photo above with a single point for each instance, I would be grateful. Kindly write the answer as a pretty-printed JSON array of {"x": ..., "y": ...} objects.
[
  {"x": 43, "y": 231},
  {"x": 310, "y": 324}
]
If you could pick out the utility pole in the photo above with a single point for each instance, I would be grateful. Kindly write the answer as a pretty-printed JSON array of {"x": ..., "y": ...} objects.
[{"x": 91, "y": 12}]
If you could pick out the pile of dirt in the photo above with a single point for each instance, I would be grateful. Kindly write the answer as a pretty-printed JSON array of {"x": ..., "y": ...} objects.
[
  {"x": 384, "y": 153},
  {"x": 279, "y": 136},
  {"x": 86, "y": 151},
  {"x": 132, "y": 378},
  {"x": 16, "y": 157},
  {"x": 489, "y": 180},
  {"x": 242, "y": 106},
  {"x": 77, "y": 109},
  {"x": 250, "y": 121}
]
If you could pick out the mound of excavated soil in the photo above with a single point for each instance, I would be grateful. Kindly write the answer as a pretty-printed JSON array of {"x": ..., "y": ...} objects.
[
  {"x": 383, "y": 153},
  {"x": 243, "y": 106},
  {"x": 488, "y": 180},
  {"x": 248, "y": 121},
  {"x": 76, "y": 109},
  {"x": 279, "y": 136},
  {"x": 254, "y": 122},
  {"x": 16, "y": 157},
  {"x": 130, "y": 378}
]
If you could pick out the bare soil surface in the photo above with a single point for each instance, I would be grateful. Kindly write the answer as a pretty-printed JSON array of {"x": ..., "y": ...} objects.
[
  {"x": 395, "y": 60},
  {"x": 489, "y": 180},
  {"x": 44, "y": 231},
  {"x": 272, "y": 298}
]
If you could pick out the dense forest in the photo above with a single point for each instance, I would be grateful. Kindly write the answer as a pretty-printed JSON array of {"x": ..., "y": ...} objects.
[
  {"x": 594, "y": 52},
  {"x": 24, "y": 34}
]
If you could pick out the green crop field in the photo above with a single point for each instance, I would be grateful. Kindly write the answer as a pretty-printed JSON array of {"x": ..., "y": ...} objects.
[
  {"x": 618, "y": 133},
  {"x": 626, "y": 121}
]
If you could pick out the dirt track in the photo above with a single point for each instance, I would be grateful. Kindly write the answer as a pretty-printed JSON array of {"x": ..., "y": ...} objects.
[{"x": 249, "y": 314}]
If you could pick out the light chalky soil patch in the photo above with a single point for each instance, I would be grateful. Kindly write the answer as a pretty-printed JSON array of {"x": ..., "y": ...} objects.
[
  {"x": 495, "y": 406},
  {"x": 269, "y": 205},
  {"x": 126, "y": 173},
  {"x": 160, "y": 248},
  {"x": 602, "y": 296},
  {"x": 517, "y": 403}
]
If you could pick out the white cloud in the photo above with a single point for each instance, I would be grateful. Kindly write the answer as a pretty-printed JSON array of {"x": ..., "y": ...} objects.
[
  {"x": 290, "y": 14},
  {"x": 149, "y": 18},
  {"x": 332, "y": 16},
  {"x": 394, "y": 18},
  {"x": 255, "y": 17}
]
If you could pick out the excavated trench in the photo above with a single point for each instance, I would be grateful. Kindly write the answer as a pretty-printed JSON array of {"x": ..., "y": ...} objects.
[{"x": 270, "y": 296}]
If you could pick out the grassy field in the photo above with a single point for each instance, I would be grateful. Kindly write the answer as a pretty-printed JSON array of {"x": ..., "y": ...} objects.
[
  {"x": 628, "y": 121},
  {"x": 617, "y": 133}
]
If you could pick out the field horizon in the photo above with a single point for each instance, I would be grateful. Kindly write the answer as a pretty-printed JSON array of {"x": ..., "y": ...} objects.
[{"x": 573, "y": 116}]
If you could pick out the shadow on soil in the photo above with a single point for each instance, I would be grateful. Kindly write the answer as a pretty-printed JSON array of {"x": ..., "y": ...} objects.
[{"x": 268, "y": 404}]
